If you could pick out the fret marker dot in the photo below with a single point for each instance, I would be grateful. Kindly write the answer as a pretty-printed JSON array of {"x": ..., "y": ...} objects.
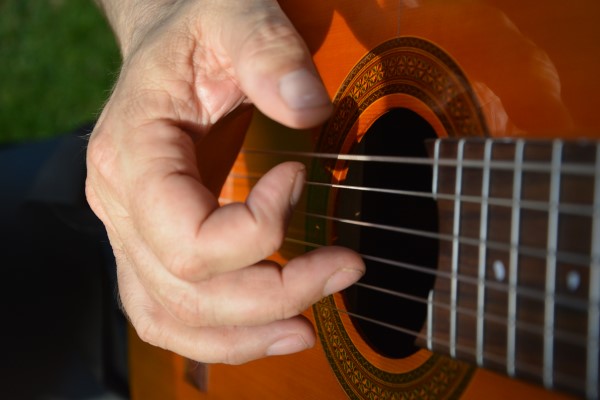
[
  {"x": 573, "y": 280},
  {"x": 499, "y": 270}
]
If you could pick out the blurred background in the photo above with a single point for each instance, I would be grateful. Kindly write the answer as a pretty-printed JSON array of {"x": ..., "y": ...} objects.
[{"x": 58, "y": 61}]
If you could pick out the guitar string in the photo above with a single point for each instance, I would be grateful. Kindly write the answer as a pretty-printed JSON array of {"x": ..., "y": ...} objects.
[
  {"x": 522, "y": 366},
  {"x": 570, "y": 168},
  {"x": 574, "y": 258},
  {"x": 562, "y": 256},
  {"x": 582, "y": 210}
]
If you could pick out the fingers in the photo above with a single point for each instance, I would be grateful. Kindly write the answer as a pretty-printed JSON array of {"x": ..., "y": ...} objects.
[
  {"x": 265, "y": 292},
  {"x": 275, "y": 70},
  {"x": 255, "y": 295},
  {"x": 256, "y": 228},
  {"x": 240, "y": 316},
  {"x": 234, "y": 345},
  {"x": 234, "y": 317},
  {"x": 231, "y": 345}
]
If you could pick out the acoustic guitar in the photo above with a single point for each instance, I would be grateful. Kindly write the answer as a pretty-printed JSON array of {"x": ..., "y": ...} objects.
[{"x": 461, "y": 161}]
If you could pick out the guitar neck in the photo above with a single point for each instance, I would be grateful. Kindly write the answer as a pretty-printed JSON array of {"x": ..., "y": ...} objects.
[{"x": 518, "y": 282}]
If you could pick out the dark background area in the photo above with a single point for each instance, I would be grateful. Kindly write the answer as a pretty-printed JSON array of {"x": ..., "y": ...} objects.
[{"x": 61, "y": 332}]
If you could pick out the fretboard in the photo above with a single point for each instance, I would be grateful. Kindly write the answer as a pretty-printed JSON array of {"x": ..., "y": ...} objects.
[{"x": 518, "y": 284}]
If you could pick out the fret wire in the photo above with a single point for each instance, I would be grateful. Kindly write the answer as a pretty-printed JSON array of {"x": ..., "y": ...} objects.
[
  {"x": 563, "y": 336},
  {"x": 523, "y": 367},
  {"x": 483, "y": 228},
  {"x": 574, "y": 258},
  {"x": 455, "y": 247},
  {"x": 434, "y": 192},
  {"x": 511, "y": 331},
  {"x": 534, "y": 294},
  {"x": 436, "y": 166},
  {"x": 430, "y": 320},
  {"x": 567, "y": 168},
  {"x": 593, "y": 331},
  {"x": 551, "y": 264}
]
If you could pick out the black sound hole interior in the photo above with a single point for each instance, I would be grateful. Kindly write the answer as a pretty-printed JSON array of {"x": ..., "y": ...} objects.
[{"x": 399, "y": 132}]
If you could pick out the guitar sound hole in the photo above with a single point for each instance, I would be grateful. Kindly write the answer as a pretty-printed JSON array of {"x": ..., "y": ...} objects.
[{"x": 399, "y": 132}]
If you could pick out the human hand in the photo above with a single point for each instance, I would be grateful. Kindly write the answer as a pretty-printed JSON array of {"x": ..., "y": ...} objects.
[{"x": 191, "y": 273}]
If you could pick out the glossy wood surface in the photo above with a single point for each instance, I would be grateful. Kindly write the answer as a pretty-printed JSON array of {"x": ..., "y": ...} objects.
[{"x": 533, "y": 68}]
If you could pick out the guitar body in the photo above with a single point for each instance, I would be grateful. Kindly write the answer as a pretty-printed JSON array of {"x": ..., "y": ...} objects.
[{"x": 434, "y": 69}]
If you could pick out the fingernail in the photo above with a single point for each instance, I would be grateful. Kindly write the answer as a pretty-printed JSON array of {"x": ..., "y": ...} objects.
[
  {"x": 341, "y": 280},
  {"x": 300, "y": 90},
  {"x": 298, "y": 187},
  {"x": 287, "y": 345}
]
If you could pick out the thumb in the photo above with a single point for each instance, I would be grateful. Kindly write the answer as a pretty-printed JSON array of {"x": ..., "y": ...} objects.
[{"x": 275, "y": 70}]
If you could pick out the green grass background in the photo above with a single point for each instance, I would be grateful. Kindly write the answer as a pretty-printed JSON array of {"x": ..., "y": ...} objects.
[{"x": 58, "y": 61}]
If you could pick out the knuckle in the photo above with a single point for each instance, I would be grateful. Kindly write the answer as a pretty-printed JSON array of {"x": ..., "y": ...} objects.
[
  {"x": 188, "y": 267},
  {"x": 147, "y": 331},
  {"x": 273, "y": 239},
  {"x": 292, "y": 307},
  {"x": 100, "y": 152},
  {"x": 234, "y": 353},
  {"x": 94, "y": 201},
  {"x": 283, "y": 304},
  {"x": 270, "y": 225}
]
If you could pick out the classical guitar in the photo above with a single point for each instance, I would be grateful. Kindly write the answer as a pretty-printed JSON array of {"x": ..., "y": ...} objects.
[{"x": 462, "y": 162}]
